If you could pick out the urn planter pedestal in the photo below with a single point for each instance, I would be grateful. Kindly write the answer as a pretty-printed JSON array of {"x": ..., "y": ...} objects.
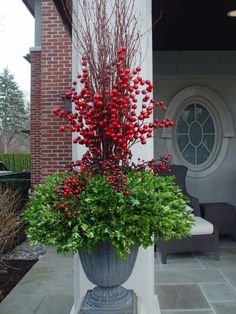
[{"x": 108, "y": 272}]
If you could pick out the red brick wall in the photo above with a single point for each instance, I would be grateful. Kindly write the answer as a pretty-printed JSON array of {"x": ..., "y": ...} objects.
[
  {"x": 35, "y": 153},
  {"x": 50, "y": 149}
]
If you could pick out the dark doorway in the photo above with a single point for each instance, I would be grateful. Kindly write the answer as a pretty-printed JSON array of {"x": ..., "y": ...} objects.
[{"x": 193, "y": 25}]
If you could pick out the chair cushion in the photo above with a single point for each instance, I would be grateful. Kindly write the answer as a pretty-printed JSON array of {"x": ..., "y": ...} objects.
[
  {"x": 189, "y": 209},
  {"x": 201, "y": 226}
]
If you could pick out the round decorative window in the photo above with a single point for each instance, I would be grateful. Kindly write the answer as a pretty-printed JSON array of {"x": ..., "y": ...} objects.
[
  {"x": 195, "y": 134},
  {"x": 202, "y": 131}
]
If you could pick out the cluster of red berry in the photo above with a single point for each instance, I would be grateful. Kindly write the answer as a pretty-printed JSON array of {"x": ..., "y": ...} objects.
[{"x": 109, "y": 121}]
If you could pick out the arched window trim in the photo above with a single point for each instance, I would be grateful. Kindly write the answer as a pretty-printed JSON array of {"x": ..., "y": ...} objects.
[
  {"x": 223, "y": 122},
  {"x": 217, "y": 134}
]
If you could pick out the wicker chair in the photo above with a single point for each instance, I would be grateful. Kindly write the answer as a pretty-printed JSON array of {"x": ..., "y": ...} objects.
[{"x": 199, "y": 242}]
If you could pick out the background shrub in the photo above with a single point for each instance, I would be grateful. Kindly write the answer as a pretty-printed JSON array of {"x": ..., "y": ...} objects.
[{"x": 16, "y": 162}]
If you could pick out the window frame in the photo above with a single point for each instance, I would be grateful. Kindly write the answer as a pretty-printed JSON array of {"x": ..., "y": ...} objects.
[
  {"x": 223, "y": 128},
  {"x": 217, "y": 133}
]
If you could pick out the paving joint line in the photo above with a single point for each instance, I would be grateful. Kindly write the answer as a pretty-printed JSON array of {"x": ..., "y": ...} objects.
[
  {"x": 227, "y": 280},
  {"x": 206, "y": 298}
]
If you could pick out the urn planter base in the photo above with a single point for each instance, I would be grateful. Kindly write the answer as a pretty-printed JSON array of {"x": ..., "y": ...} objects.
[
  {"x": 124, "y": 305},
  {"x": 104, "y": 268}
]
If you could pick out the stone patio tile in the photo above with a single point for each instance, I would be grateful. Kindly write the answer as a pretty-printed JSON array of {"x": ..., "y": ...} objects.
[
  {"x": 173, "y": 264},
  {"x": 179, "y": 256},
  {"x": 181, "y": 297},
  {"x": 182, "y": 260},
  {"x": 29, "y": 285},
  {"x": 51, "y": 251},
  {"x": 188, "y": 276},
  {"x": 19, "y": 303},
  {"x": 56, "y": 260},
  {"x": 224, "y": 307},
  {"x": 178, "y": 265},
  {"x": 230, "y": 274},
  {"x": 49, "y": 270},
  {"x": 157, "y": 264},
  {"x": 58, "y": 304},
  {"x": 188, "y": 312},
  {"x": 45, "y": 278},
  {"x": 224, "y": 252},
  {"x": 38, "y": 272},
  {"x": 224, "y": 262},
  {"x": 44, "y": 286},
  {"x": 60, "y": 286},
  {"x": 219, "y": 292}
]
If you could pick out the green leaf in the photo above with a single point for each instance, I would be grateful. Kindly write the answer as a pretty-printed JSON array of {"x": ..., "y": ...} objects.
[{"x": 155, "y": 209}]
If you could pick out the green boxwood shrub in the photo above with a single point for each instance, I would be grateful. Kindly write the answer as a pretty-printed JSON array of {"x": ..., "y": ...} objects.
[{"x": 154, "y": 209}]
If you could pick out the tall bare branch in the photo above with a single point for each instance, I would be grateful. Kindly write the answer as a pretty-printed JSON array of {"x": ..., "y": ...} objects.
[{"x": 101, "y": 27}]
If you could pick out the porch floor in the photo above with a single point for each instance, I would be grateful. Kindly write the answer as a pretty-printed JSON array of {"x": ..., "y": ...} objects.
[{"x": 187, "y": 284}]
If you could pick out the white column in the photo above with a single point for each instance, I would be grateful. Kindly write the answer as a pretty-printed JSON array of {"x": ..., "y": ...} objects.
[{"x": 142, "y": 278}]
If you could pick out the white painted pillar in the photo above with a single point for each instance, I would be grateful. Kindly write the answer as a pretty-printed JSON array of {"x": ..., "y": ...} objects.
[{"x": 142, "y": 278}]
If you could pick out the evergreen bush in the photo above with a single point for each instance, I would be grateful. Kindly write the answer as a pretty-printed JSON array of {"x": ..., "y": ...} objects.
[{"x": 16, "y": 161}]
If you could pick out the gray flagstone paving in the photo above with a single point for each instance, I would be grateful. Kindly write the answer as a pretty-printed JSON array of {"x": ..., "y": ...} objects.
[
  {"x": 187, "y": 284},
  {"x": 182, "y": 297}
]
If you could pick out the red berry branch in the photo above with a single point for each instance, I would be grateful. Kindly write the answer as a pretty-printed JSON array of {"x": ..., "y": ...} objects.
[{"x": 108, "y": 122}]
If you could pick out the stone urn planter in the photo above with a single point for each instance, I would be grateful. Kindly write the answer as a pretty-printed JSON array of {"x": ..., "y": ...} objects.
[{"x": 108, "y": 272}]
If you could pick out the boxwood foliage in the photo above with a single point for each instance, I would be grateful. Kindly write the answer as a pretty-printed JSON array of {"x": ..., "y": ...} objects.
[{"x": 154, "y": 209}]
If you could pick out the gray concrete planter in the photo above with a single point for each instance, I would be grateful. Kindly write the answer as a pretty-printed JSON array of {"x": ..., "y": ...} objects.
[{"x": 108, "y": 272}]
